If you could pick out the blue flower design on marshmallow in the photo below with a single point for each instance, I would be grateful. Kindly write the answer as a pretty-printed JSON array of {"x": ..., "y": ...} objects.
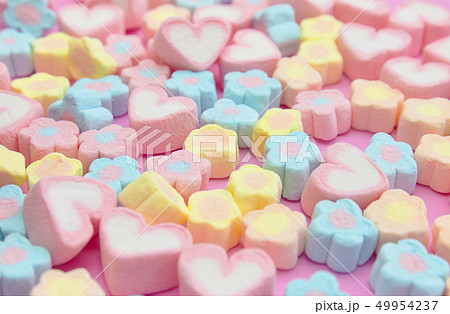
[
  {"x": 11, "y": 215},
  {"x": 194, "y": 4},
  {"x": 199, "y": 86},
  {"x": 406, "y": 268},
  {"x": 238, "y": 118},
  {"x": 340, "y": 236},
  {"x": 293, "y": 157},
  {"x": 320, "y": 283},
  {"x": 254, "y": 89},
  {"x": 396, "y": 160},
  {"x": 117, "y": 173},
  {"x": 16, "y": 52},
  {"x": 21, "y": 265},
  {"x": 31, "y": 16},
  {"x": 113, "y": 93},
  {"x": 84, "y": 107}
]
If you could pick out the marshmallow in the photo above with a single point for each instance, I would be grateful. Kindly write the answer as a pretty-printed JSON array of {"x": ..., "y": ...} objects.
[
  {"x": 239, "y": 118},
  {"x": 126, "y": 50},
  {"x": 322, "y": 27},
  {"x": 274, "y": 122},
  {"x": 254, "y": 188},
  {"x": 293, "y": 158},
  {"x": 11, "y": 214},
  {"x": 423, "y": 116},
  {"x": 399, "y": 216},
  {"x": 151, "y": 112},
  {"x": 186, "y": 46},
  {"x": 194, "y": 4},
  {"x": 295, "y": 76},
  {"x": 447, "y": 288},
  {"x": 205, "y": 269},
  {"x": 139, "y": 258},
  {"x": 16, "y": 52},
  {"x": 215, "y": 218},
  {"x": 416, "y": 80},
  {"x": 441, "y": 237},
  {"x": 155, "y": 199},
  {"x": 325, "y": 114},
  {"x": 218, "y": 145},
  {"x": 147, "y": 72},
  {"x": 76, "y": 282},
  {"x": 307, "y": 8},
  {"x": 340, "y": 236},
  {"x": 321, "y": 283},
  {"x": 12, "y": 167},
  {"x": 433, "y": 162},
  {"x": 376, "y": 106},
  {"x": 153, "y": 19},
  {"x": 277, "y": 230},
  {"x": 21, "y": 265},
  {"x": 5, "y": 79},
  {"x": 70, "y": 208},
  {"x": 346, "y": 173},
  {"x": 437, "y": 51},
  {"x": 365, "y": 50},
  {"x": 182, "y": 170},
  {"x": 367, "y": 12},
  {"x": 239, "y": 16},
  {"x": 254, "y": 89},
  {"x": 406, "y": 268}
]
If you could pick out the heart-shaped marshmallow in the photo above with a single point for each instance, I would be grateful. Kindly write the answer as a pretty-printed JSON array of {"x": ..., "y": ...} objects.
[
  {"x": 417, "y": 80},
  {"x": 99, "y": 21},
  {"x": 437, "y": 51},
  {"x": 367, "y": 12},
  {"x": 239, "y": 16},
  {"x": 205, "y": 269},
  {"x": 139, "y": 258},
  {"x": 251, "y": 49},
  {"x": 365, "y": 50},
  {"x": 62, "y": 213},
  {"x": 162, "y": 123},
  {"x": 186, "y": 46},
  {"x": 16, "y": 113},
  {"x": 346, "y": 173}
]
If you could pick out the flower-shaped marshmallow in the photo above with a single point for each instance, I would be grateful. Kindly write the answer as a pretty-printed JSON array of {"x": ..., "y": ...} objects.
[
  {"x": 254, "y": 188},
  {"x": 113, "y": 93},
  {"x": 51, "y": 54},
  {"x": 125, "y": 49},
  {"x": 16, "y": 52},
  {"x": 239, "y": 118},
  {"x": 396, "y": 159},
  {"x": 441, "y": 237},
  {"x": 11, "y": 215},
  {"x": 340, "y": 236},
  {"x": 21, "y": 265},
  {"x": 447, "y": 288},
  {"x": 433, "y": 162},
  {"x": 199, "y": 86},
  {"x": 110, "y": 142},
  {"x": 321, "y": 283},
  {"x": 254, "y": 89},
  {"x": 324, "y": 26},
  {"x": 154, "y": 18},
  {"x": 399, "y": 216},
  {"x": 55, "y": 282},
  {"x": 42, "y": 87},
  {"x": 44, "y": 136},
  {"x": 147, "y": 72},
  {"x": 31, "y": 16},
  {"x": 117, "y": 173},
  {"x": 182, "y": 170},
  {"x": 193, "y": 4},
  {"x": 325, "y": 114},
  {"x": 406, "y": 269},
  {"x": 293, "y": 157},
  {"x": 375, "y": 106},
  {"x": 295, "y": 76},
  {"x": 12, "y": 167}
]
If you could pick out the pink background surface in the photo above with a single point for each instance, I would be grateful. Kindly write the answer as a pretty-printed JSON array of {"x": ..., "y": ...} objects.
[{"x": 437, "y": 205}]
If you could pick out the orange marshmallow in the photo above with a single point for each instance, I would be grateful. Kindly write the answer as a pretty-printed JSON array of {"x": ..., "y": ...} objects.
[{"x": 441, "y": 237}]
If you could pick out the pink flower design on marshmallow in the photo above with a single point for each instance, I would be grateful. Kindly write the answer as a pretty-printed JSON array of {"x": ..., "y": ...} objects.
[
  {"x": 125, "y": 49},
  {"x": 146, "y": 73}
]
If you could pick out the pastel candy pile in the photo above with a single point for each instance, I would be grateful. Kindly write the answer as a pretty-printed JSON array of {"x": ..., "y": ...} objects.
[
  {"x": 239, "y": 118},
  {"x": 154, "y": 18},
  {"x": 117, "y": 172},
  {"x": 280, "y": 232},
  {"x": 376, "y": 13},
  {"x": 215, "y": 218},
  {"x": 5, "y": 79},
  {"x": 406, "y": 268},
  {"x": 320, "y": 283},
  {"x": 127, "y": 50},
  {"x": 437, "y": 51},
  {"x": 12, "y": 167},
  {"x": 395, "y": 159},
  {"x": 147, "y": 72},
  {"x": 441, "y": 237},
  {"x": 205, "y": 269},
  {"x": 155, "y": 199},
  {"x": 254, "y": 89},
  {"x": 16, "y": 53},
  {"x": 399, "y": 216},
  {"x": 182, "y": 170},
  {"x": 278, "y": 22},
  {"x": 11, "y": 215},
  {"x": 293, "y": 157},
  {"x": 21, "y": 265},
  {"x": 340, "y": 236}
]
